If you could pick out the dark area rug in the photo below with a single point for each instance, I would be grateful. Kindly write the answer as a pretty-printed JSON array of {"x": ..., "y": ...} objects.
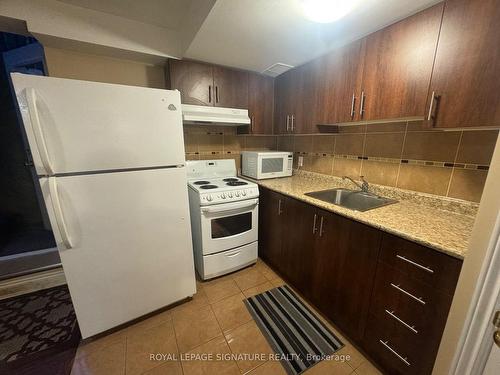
[
  {"x": 297, "y": 336},
  {"x": 38, "y": 333}
]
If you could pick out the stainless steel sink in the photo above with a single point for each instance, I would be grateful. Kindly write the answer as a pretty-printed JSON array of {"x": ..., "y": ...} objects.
[{"x": 353, "y": 199}]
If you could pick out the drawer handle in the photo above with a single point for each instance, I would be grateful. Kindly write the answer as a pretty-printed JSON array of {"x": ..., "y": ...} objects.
[
  {"x": 233, "y": 254},
  {"x": 404, "y": 360},
  {"x": 419, "y": 299},
  {"x": 415, "y": 263},
  {"x": 394, "y": 316}
]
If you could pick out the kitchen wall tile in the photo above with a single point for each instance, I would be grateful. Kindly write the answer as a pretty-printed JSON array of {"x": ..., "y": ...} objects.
[
  {"x": 426, "y": 179},
  {"x": 210, "y": 142},
  {"x": 467, "y": 184},
  {"x": 476, "y": 147},
  {"x": 303, "y": 143},
  {"x": 434, "y": 146},
  {"x": 349, "y": 144},
  {"x": 417, "y": 126},
  {"x": 320, "y": 164},
  {"x": 190, "y": 142},
  {"x": 347, "y": 167},
  {"x": 192, "y": 156},
  {"x": 212, "y": 155},
  {"x": 233, "y": 143},
  {"x": 386, "y": 127},
  {"x": 352, "y": 129},
  {"x": 386, "y": 145},
  {"x": 260, "y": 142},
  {"x": 285, "y": 143},
  {"x": 323, "y": 143},
  {"x": 380, "y": 172}
]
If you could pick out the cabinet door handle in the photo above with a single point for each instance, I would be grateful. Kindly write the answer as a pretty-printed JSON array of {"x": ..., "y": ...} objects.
[
  {"x": 287, "y": 122},
  {"x": 395, "y": 317},
  {"x": 434, "y": 98},
  {"x": 210, "y": 93},
  {"x": 293, "y": 123},
  {"x": 362, "y": 104},
  {"x": 279, "y": 207},
  {"x": 415, "y": 263},
  {"x": 314, "y": 223},
  {"x": 353, "y": 100},
  {"x": 418, "y": 299},
  {"x": 252, "y": 120},
  {"x": 321, "y": 226},
  {"x": 217, "y": 94},
  {"x": 386, "y": 345}
]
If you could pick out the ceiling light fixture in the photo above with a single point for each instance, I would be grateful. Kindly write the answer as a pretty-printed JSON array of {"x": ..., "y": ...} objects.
[{"x": 326, "y": 11}]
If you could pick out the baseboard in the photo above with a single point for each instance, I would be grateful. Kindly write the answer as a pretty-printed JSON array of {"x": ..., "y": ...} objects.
[{"x": 31, "y": 283}]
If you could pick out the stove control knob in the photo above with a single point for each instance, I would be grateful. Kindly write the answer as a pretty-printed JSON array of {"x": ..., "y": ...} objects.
[
  {"x": 223, "y": 196},
  {"x": 230, "y": 195},
  {"x": 237, "y": 193},
  {"x": 209, "y": 198},
  {"x": 244, "y": 193}
]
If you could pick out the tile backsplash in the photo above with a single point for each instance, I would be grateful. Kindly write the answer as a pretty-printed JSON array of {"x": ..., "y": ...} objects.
[{"x": 400, "y": 154}]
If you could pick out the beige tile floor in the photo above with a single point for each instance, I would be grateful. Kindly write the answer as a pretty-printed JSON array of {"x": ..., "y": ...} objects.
[{"x": 214, "y": 323}]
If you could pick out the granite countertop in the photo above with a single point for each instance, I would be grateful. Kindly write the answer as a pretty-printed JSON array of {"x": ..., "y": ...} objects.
[{"x": 442, "y": 224}]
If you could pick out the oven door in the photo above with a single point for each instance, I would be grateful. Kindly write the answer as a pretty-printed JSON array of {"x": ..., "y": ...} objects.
[{"x": 229, "y": 225}]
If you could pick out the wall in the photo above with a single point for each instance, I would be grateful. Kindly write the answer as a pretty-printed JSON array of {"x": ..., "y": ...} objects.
[
  {"x": 69, "y": 64},
  {"x": 480, "y": 251},
  {"x": 399, "y": 154}
]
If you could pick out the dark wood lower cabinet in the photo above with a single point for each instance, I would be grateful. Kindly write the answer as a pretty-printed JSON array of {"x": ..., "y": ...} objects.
[
  {"x": 389, "y": 296},
  {"x": 346, "y": 261}
]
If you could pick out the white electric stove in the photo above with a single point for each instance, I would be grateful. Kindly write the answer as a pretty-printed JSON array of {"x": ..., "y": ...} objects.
[{"x": 224, "y": 217}]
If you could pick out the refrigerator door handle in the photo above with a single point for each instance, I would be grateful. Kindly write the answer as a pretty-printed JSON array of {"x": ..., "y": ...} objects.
[
  {"x": 56, "y": 205},
  {"x": 37, "y": 130}
]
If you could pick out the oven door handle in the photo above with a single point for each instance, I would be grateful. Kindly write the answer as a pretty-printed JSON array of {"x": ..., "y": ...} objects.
[{"x": 230, "y": 206}]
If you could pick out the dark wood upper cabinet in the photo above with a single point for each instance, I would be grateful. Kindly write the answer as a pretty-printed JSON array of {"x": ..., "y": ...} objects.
[
  {"x": 397, "y": 66},
  {"x": 260, "y": 103},
  {"x": 231, "y": 88},
  {"x": 294, "y": 101},
  {"x": 210, "y": 85},
  {"x": 465, "y": 78},
  {"x": 338, "y": 77},
  {"x": 194, "y": 80}
]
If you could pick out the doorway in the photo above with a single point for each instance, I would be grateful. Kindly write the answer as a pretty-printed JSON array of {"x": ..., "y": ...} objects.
[{"x": 27, "y": 243}]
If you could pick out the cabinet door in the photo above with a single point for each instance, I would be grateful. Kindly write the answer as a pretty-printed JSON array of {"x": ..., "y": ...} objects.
[
  {"x": 271, "y": 215},
  {"x": 346, "y": 260},
  {"x": 339, "y": 85},
  {"x": 260, "y": 103},
  {"x": 194, "y": 80},
  {"x": 397, "y": 66},
  {"x": 299, "y": 231},
  {"x": 231, "y": 88},
  {"x": 303, "y": 86},
  {"x": 465, "y": 76},
  {"x": 282, "y": 104}
]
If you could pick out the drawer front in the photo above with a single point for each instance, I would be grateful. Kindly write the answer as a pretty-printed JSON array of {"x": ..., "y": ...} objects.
[
  {"x": 438, "y": 270},
  {"x": 413, "y": 302},
  {"x": 395, "y": 348}
]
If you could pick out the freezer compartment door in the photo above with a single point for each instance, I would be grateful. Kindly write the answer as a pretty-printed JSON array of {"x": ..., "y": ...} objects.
[
  {"x": 78, "y": 126},
  {"x": 125, "y": 243}
]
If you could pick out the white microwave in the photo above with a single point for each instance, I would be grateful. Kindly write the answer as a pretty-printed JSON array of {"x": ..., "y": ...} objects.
[{"x": 266, "y": 164}]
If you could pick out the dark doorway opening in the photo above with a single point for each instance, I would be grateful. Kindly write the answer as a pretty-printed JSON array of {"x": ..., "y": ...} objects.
[{"x": 26, "y": 240}]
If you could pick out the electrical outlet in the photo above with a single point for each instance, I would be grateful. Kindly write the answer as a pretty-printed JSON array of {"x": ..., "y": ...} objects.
[{"x": 301, "y": 161}]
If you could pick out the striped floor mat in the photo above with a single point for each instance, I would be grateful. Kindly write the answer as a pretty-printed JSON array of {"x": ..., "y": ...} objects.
[{"x": 297, "y": 336}]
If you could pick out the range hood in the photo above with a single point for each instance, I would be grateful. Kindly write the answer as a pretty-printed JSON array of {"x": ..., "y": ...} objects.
[{"x": 199, "y": 114}]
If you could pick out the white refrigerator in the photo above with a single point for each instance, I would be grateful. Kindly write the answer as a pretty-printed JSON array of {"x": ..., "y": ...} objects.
[{"x": 110, "y": 161}]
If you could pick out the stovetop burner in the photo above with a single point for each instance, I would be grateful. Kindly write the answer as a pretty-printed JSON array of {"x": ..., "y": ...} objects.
[
  {"x": 236, "y": 183},
  {"x": 230, "y": 179},
  {"x": 208, "y": 187},
  {"x": 201, "y": 182}
]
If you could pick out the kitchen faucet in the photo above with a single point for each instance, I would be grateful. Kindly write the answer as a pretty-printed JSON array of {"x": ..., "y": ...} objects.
[{"x": 364, "y": 186}]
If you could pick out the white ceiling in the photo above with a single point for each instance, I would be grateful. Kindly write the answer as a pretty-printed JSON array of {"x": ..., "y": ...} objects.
[
  {"x": 255, "y": 34},
  {"x": 164, "y": 13}
]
